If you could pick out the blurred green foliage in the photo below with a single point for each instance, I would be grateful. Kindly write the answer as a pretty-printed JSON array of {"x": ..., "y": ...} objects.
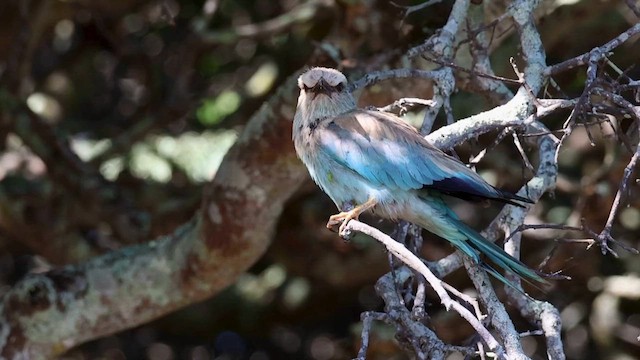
[{"x": 212, "y": 111}]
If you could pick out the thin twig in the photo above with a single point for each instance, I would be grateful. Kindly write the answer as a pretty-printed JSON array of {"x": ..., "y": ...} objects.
[
  {"x": 523, "y": 155},
  {"x": 602, "y": 51},
  {"x": 375, "y": 77},
  {"x": 411, "y": 9},
  {"x": 405, "y": 103},
  {"x": 470, "y": 71},
  {"x": 415, "y": 263},
  {"x": 367, "y": 319}
]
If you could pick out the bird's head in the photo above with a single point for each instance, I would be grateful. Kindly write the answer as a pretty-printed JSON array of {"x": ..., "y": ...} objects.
[
  {"x": 324, "y": 92},
  {"x": 322, "y": 81}
]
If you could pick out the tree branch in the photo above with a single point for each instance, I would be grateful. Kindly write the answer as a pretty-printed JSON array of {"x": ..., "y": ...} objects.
[
  {"x": 403, "y": 254},
  {"x": 46, "y": 314}
]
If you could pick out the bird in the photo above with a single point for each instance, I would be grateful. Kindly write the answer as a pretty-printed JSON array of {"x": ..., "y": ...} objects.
[{"x": 370, "y": 160}]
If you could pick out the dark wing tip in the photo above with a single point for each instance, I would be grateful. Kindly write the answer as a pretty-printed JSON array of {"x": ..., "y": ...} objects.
[{"x": 467, "y": 190}]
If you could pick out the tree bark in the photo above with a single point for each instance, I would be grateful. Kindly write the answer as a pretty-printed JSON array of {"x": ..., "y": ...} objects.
[{"x": 46, "y": 314}]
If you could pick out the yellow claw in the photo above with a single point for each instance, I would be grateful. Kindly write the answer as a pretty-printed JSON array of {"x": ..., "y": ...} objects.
[{"x": 345, "y": 216}]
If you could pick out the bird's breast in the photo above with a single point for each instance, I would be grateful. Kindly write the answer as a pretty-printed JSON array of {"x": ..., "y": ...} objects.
[{"x": 343, "y": 185}]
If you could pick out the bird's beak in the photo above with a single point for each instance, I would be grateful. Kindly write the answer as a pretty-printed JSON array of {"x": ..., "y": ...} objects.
[{"x": 323, "y": 87}]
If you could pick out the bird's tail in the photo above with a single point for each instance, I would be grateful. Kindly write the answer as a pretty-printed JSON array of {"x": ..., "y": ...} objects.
[
  {"x": 434, "y": 215},
  {"x": 477, "y": 243}
]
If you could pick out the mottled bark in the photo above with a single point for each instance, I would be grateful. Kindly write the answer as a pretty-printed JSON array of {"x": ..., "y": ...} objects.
[{"x": 46, "y": 314}]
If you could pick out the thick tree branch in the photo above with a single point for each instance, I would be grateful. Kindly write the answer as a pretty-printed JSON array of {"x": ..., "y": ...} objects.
[{"x": 46, "y": 314}]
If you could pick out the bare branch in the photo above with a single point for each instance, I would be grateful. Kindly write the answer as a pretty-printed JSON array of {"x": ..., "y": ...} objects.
[
  {"x": 601, "y": 51},
  {"x": 407, "y": 257},
  {"x": 375, "y": 77},
  {"x": 634, "y": 7},
  {"x": 479, "y": 44},
  {"x": 408, "y": 10},
  {"x": 472, "y": 72},
  {"x": 405, "y": 103},
  {"x": 367, "y": 318}
]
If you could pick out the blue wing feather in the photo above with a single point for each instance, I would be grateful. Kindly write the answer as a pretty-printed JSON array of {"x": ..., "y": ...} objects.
[{"x": 389, "y": 153}]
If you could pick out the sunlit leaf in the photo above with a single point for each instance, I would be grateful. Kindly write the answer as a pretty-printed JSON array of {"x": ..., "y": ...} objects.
[{"x": 213, "y": 111}]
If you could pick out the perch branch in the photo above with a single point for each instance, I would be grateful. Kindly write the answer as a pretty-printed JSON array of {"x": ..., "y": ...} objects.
[{"x": 407, "y": 257}]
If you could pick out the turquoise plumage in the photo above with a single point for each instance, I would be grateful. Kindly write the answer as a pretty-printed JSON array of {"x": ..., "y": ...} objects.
[{"x": 367, "y": 159}]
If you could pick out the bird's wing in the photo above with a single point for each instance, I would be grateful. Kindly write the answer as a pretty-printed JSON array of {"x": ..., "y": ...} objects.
[{"x": 388, "y": 152}]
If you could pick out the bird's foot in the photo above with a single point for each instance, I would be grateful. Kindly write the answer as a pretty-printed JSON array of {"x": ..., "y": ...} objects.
[{"x": 343, "y": 217}]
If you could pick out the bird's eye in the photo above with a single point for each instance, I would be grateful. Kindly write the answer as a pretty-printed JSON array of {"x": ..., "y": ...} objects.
[{"x": 340, "y": 87}]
